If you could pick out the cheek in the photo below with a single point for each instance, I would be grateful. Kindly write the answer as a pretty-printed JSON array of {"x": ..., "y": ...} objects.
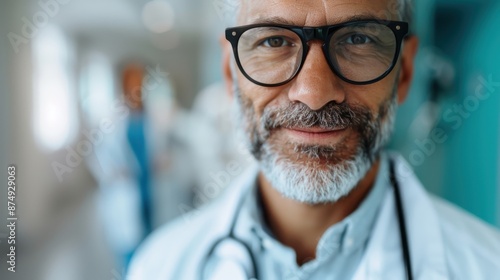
[
  {"x": 260, "y": 97},
  {"x": 371, "y": 96}
]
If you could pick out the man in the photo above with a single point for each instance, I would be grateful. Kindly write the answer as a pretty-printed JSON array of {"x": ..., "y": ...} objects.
[
  {"x": 317, "y": 84},
  {"x": 122, "y": 167},
  {"x": 132, "y": 84}
]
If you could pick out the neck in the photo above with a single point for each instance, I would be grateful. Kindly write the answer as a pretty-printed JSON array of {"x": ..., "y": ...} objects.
[{"x": 300, "y": 226}]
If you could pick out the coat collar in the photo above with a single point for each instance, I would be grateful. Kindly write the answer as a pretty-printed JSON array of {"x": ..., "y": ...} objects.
[
  {"x": 423, "y": 229},
  {"x": 221, "y": 214}
]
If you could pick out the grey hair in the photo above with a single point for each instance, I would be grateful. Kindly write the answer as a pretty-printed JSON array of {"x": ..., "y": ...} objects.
[
  {"x": 405, "y": 10},
  {"x": 231, "y": 9}
]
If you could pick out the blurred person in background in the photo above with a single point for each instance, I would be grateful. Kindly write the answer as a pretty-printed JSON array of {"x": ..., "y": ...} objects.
[
  {"x": 317, "y": 85},
  {"x": 132, "y": 89},
  {"x": 142, "y": 165}
]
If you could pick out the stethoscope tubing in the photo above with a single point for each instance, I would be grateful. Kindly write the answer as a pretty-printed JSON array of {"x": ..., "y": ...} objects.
[{"x": 402, "y": 224}]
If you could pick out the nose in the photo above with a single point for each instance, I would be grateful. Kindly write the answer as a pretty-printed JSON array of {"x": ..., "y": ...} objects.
[{"x": 316, "y": 85}]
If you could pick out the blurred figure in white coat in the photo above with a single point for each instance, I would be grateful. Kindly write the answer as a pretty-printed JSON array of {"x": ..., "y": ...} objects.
[{"x": 134, "y": 165}]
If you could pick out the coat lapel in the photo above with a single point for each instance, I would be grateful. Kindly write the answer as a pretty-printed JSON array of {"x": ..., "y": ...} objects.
[
  {"x": 383, "y": 258},
  {"x": 211, "y": 230}
]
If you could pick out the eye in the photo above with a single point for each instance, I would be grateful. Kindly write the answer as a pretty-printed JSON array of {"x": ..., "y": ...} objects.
[
  {"x": 358, "y": 39},
  {"x": 275, "y": 42}
]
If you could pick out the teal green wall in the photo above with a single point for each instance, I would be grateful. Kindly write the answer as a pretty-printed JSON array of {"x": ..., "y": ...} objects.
[
  {"x": 465, "y": 168},
  {"x": 472, "y": 156}
]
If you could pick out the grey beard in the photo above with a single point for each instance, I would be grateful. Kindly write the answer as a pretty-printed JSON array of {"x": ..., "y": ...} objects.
[{"x": 315, "y": 174}]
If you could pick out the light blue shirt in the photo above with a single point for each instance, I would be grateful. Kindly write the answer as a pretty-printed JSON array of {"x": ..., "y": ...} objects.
[{"x": 339, "y": 250}]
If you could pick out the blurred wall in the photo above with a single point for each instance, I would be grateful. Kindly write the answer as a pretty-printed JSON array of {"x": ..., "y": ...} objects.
[
  {"x": 458, "y": 55},
  {"x": 42, "y": 200},
  {"x": 472, "y": 162},
  {"x": 35, "y": 181},
  {"x": 5, "y": 135}
]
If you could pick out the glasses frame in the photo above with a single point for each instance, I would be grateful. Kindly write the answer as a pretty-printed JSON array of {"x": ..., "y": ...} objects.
[{"x": 324, "y": 34}]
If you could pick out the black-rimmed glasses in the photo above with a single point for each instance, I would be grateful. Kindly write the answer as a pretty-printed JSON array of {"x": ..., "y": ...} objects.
[{"x": 359, "y": 52}]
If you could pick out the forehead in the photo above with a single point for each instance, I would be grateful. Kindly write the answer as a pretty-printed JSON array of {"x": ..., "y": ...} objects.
[{"x": 314, "y": 12}]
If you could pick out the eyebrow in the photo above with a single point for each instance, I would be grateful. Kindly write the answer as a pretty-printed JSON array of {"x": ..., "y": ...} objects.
[{"x": 284, "y": 21}]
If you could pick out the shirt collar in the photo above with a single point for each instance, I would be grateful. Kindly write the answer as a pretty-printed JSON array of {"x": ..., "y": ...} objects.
[
  {"x": 347, "y": 235},
  {"x": 354, "y": 231}
]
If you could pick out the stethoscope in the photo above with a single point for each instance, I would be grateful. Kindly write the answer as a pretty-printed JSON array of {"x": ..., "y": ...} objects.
[{"x": 244, "y": 264}]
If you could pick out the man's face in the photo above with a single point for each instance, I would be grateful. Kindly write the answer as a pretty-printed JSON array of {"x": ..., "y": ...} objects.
[{"x": 317, "y": 136}]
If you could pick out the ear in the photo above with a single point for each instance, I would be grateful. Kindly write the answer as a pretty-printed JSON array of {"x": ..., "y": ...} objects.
[
  {"x": 227, "y": 52},
  {"x": 410, "y": 48}
]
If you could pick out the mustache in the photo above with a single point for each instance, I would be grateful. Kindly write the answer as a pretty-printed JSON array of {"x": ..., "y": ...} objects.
[{"x": 331, "y": 116}]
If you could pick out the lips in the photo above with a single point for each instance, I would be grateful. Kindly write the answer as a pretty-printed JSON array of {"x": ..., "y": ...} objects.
[
  {"x": 314, "y": 130},
  {"x": 316, "y": 135}
]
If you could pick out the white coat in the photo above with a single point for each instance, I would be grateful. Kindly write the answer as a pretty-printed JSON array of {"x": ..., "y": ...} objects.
[{"x": 444, "y": 241}]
